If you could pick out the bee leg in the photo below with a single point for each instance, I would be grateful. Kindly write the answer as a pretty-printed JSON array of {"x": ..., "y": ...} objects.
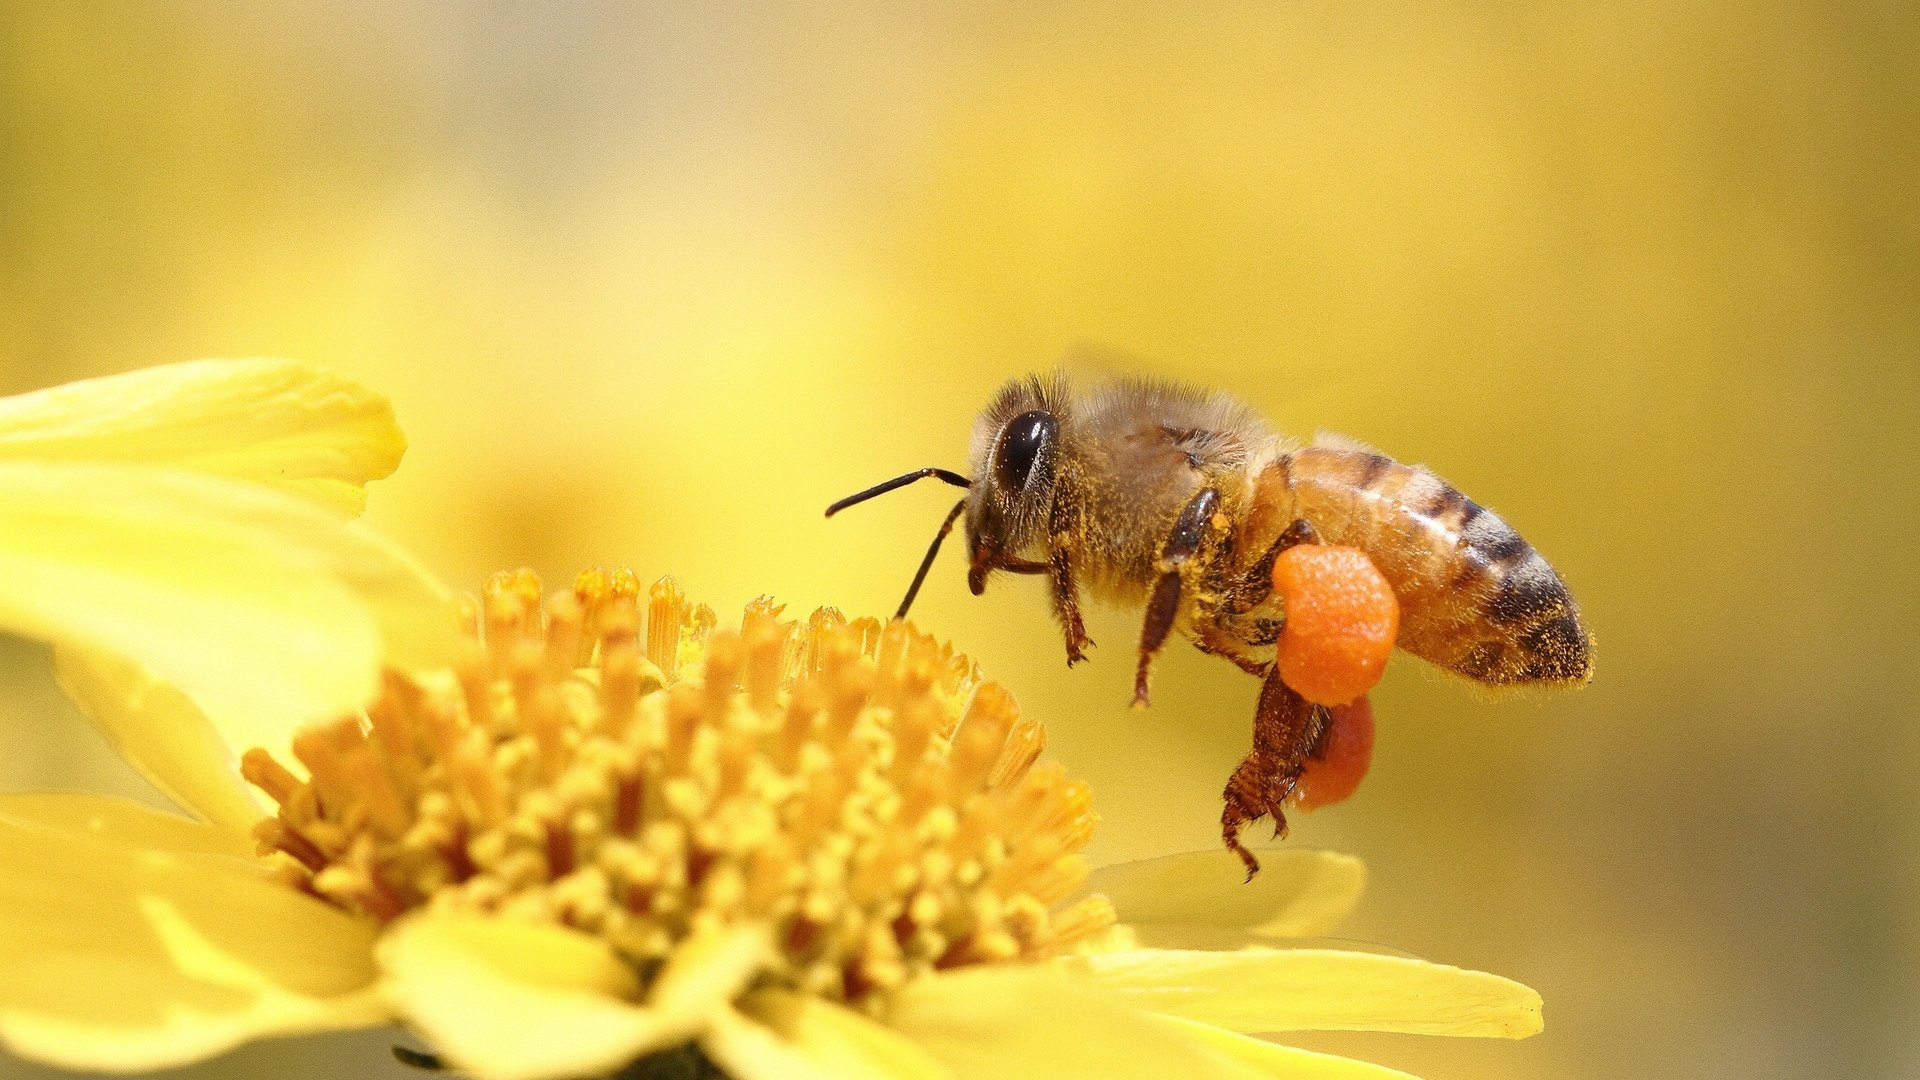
[
  {"x": 1176, "y": 557},
  {"x": 1285, "y": 728},
  {"x": 1256, "y": 584},
  {"x": 1161, "y": 610},
  {"x": 1213, "y": 644},
  {"x": 1066, "y": 604}
]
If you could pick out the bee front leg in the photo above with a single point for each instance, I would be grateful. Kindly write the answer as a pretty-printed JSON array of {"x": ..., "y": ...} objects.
[
  {"x": 1066, "y": 604},
  {"x": 1066, "y": 595},
  {"x": 1285, "y": 728},
  {"x": 1177, "y": 553},
  {"x": 1062, "y": 525}
]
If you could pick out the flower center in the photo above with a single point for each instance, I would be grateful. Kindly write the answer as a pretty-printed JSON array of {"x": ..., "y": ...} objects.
[{"x": 856, "y": 787}]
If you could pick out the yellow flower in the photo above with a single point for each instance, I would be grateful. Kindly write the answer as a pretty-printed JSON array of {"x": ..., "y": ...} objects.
[
  {"x": 605, "y": 831},
  {"x": 187, "y": 519}
]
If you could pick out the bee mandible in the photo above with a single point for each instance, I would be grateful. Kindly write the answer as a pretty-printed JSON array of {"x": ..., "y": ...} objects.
[{"x": 1178, "y": 501}]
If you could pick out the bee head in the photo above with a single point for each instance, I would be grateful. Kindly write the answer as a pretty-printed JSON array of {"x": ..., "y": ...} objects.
[{"x": 1016, "y": 452}]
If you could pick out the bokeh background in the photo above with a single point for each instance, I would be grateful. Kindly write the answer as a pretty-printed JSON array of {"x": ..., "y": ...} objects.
[{"x": 652, "y": 285}]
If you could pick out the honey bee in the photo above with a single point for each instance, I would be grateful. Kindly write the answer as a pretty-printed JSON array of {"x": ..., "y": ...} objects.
[{"x": 1178, "y": 500}]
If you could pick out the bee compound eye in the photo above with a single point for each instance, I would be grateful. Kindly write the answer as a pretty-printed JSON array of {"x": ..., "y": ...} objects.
[{"x": 1020, "y": 444}]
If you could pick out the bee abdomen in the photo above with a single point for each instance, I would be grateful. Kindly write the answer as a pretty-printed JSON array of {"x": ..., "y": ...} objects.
[
  {"x": 1537, "y": 632},
  {"x": 1475, "y": 597}
]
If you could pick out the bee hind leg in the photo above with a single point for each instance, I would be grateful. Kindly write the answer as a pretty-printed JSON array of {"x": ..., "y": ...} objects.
[{"x": 1285, "y": 728}]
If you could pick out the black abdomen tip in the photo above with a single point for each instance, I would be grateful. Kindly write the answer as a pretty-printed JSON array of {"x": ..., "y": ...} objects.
[
  {"x": 1545, "y": 641},
  {"x": 1557, "y": 650}
]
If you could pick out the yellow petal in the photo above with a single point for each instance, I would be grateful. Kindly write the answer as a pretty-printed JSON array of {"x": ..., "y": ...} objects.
[
  {"x": 518, "y": 1001},
  {"x": 125, "y": 822},
  {"x": 707, "y": 971},
  {"x": 117, "y": 959},
  {"x": 1298, "y": 892},
  {"x": 266, "y": 610},
  {"x": 160, "y": 731},
  {"x": 1291, "y": 1062},
  {"x": 1016, "y": 1023},
  {"x": 298, "y": 428},
  {"x": 1256, "y": 990},
  {"x": 791, "y": 1036},
  {"x": 745, "y": 1050}
]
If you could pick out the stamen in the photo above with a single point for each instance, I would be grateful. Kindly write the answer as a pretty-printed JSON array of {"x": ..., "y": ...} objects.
[
  {"x": 259, "y": 769},
  {"x": 1085, "y": 920},
  {"x": 1021, "y": 750},
  {"x": 855, "y": 785}
]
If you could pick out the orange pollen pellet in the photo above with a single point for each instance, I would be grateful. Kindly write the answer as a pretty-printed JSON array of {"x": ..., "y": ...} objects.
[
  {"x": 1342, "y": 617},
  {"x": 1338, "y": 764}
]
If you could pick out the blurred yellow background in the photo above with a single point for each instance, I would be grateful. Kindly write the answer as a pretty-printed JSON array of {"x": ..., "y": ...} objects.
[{"x": 652, "y": 286}]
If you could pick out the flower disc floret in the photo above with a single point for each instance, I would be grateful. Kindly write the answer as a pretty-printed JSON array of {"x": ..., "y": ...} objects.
[{"x": 638, "y": 775}]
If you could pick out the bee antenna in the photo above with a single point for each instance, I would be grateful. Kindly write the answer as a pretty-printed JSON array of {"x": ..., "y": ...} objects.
[
  {"x": 948, "y": 475},
  {"x": 933, "y": 549}
]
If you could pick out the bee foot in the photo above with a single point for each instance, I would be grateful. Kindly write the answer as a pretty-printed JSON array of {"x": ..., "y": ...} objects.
[
  {"x": 1234, "y": 845},
  {"x": 1258, "y": 788},
  {"x": 1077, "y": 644}
]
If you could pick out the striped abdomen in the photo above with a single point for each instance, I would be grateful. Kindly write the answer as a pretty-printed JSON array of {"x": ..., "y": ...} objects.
[{"x": 1474, "y": 596}]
